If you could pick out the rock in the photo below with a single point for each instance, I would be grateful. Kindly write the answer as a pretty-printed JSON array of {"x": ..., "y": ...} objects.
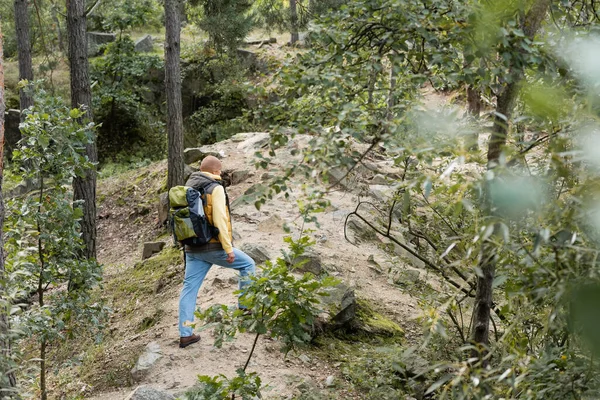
[
  {"x": 272, "y": 224},
  {"x": 236, "y": 235},
  {"x": 151, "y": 248},
  {"x": 250, "y": 60},
  {"x": 195, "y": 154},
  {"x": 346, "y": 316},
  {"x": 145, "y": 44},
  {"x": 252, "y": 141},
  {"x": 308, "y": 262},
  {"x": 382, "y": 193},
  {"x": 163, "y": 208},
  {"x": 266, "y": 176},
  {"x": 330, "y": 381},
  {"x": 379, "y": 179},
  {"x": 239, "y": 176},
  {"x": 96, "y": 40},
  {"x": 188, "y": 170},
  {"x": 359, "y": 232},
  {"x": 150, "y": 356},
  {"x": 407, "y": 276},
  {"x": 149, "y": 393},
  {"x": 260, "y": 41},
  {"x": 336, "y": 177},
  {"x": 258, "y": 253},
  {"x": 304, "y": 358}
]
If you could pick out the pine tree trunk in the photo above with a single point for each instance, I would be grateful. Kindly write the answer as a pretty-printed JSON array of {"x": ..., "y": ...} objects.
[
  {"x": 84, "y": 188},
  {"x": 24, "y": 49},
  {"x": 487, "y": 263},
  {"x": 173, "y": 89},
  {"x": 294, "y": 22},
  {"x": 4, "y": 312}
]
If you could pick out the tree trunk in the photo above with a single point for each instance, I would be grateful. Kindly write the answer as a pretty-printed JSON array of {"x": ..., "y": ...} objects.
[
  {"x": 84, "y": 188},
  {"x": 294, "y": 22},
  {"x": 506, "y": 99},
  {"x": 24, "y": 49},
  {"x": 4, "y": 311},
  {"x": 173, "y": 88},
  {"x": 487, "y": 263},
  {"x": 59, "y": 34},
  {"x": 474, "y": 111}
]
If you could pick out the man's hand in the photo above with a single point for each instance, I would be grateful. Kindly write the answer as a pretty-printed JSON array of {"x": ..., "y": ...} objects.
[{"x": 230, "y": 257}]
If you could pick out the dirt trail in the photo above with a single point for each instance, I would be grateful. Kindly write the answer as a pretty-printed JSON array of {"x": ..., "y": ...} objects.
[{"x": 177, "y": 369}]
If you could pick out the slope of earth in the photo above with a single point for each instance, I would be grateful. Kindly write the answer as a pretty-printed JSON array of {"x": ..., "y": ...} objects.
[{"x": 143, "y": 296}]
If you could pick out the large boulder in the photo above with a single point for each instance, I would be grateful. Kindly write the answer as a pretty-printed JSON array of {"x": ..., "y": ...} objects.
[
  {"x": 96, "y": 40},
  {"x": 144, "y": 44},
  {"x": 195, "y": 154},
  {"x": 149, "y": 393},
  {"x": 150, "y": 356},
  {"x": 258, "y": 253}
]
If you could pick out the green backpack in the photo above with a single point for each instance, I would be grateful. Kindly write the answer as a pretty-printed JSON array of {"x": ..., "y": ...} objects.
[{"x": 187, "y": 219}]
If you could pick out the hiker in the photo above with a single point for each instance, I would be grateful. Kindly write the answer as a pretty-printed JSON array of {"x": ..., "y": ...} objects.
[{"x": 219, "y": 251}]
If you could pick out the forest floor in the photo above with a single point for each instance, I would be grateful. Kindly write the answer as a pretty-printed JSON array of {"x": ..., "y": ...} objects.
[{"x": 144, "y": 305}]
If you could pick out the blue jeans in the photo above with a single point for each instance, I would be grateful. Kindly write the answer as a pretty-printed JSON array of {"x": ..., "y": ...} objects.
[{"x": 197, "y": 266}]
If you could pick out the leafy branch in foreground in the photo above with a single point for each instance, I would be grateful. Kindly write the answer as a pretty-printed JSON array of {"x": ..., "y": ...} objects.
[{"x": 278, "y": 303}]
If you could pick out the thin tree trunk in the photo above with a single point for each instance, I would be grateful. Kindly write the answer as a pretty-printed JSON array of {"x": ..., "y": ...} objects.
[
  {"x": 488, "y": 260},
  {"x": 391, "y": 101},
  {"x": 173, "y": 89},
  {"x": 506, "y": 99},
  {"x": 59, "y": 34},
  {"x": 4, "y": 311},
  {"x": 84, "y": 188},
  {"x": 294, "y": 22},
  {"x": 474, "y": 111},
  {"x": 24, "y": 49}
]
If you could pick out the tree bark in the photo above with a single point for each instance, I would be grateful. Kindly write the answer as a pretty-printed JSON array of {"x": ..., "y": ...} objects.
[
  {"x": 84, "y": 188},
  {"x": 474, "y": 111},
  {"x": 4, "y": 311},
  {"x": 506, "y": 99},
  {"x": 173, "y": 89},
  {"x": 294, "y": 22},
  {"x": 24, "y": 49},
  {"x": 488, "y": 260}
]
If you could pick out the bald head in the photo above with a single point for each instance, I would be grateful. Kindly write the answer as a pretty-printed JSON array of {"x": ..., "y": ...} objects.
[{"x": 211, "y": 164}]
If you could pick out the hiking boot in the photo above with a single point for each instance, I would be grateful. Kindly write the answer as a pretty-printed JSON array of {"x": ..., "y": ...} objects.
[{"x": 185, "y": 341}]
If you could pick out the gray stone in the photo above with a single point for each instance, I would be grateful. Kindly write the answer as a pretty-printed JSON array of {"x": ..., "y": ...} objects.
[
  {"x": 152, "y": 248},
  {"x": 337, "y": 176},
  {"x": 163, "y": 207},
  {"x": 308, "y": 262},
  {"x": 96, "y": 40},
  {"x": 379, "y": 179},
  {"x": 251, "y": 60},
  {"x": 145, "y": 44},
  {"x": 304, "y": 358},
  {"x": 149, "y": 393},
  {"x": 330, "y": 381},
  {"x": 240, "y": 176},
  {"x": 359, "y": 232},
  {"x": 150, "y": 356},
  {"x": 195, "y": 154},
  {"x": 252, "y": 141},
  {"x": 407, "y": 276},
  {"x": 258, "y": 253},
  {"x": 187, "y": 171},
  {"x": 383, "y": 193},
  {"x": 346, "y": 316}
]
